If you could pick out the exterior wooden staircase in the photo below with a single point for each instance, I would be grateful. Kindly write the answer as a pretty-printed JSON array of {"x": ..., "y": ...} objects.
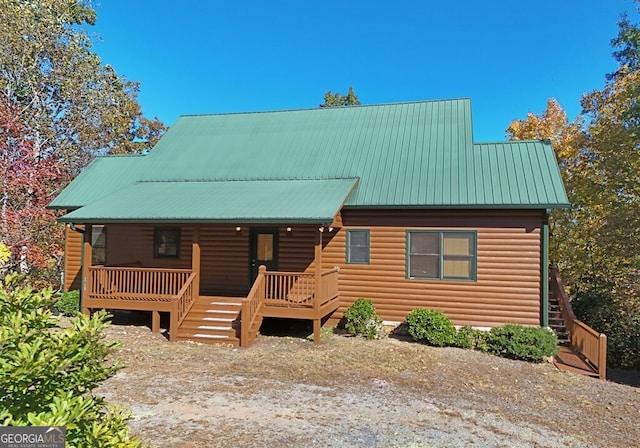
[
  {"x": 582, "y": 349},
  {"x": 212, "y": 320},
  {"x": 557, "y": 322}
]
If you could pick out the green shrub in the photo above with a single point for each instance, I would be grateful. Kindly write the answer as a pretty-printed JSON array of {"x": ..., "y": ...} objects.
[
  {"x": 524, "y": 343},
  {"x": 68, "y": 303},
  {"x": 47, "y": 374},
  {"x": 617, "y": 314},
  {"x": 431, "y": 327},
  {"x": 361, "y": 320},
  {"x": 469, "y": 337}
]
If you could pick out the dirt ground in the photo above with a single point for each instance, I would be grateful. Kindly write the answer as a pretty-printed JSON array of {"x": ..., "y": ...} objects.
[{"x": 349, "y": 392}]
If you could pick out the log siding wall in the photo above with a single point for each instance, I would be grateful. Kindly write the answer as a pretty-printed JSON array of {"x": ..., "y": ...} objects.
[
  {"x": 507, "y": 288},
  {"x": 72, "y": 259},
  {"x": 132, "y": 244},
  {"x": 224, "y": 259}
]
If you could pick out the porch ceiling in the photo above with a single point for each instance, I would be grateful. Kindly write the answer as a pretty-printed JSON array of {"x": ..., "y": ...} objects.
[{"x": 250, "y": 201}]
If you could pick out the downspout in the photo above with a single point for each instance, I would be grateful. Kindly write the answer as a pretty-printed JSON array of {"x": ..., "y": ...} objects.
[{"x": 544, "y": 268}]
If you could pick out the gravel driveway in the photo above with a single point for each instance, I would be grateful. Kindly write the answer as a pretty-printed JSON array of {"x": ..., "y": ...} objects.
[{"x": 349, "y": 392}]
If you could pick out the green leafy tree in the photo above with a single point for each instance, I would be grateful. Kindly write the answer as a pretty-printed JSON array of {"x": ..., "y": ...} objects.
[
  {"x": 570, "y": 244},
  {"x": 70, "y": 102},
  {"x": 627, "y": 44},
  {"x": 595, "y": 244},
  {"x": 47, "y": 374},
  {"x": 60, "y": 106},
  {"x": 337, "y": 100},
  {"x": 614, "y": 179}
]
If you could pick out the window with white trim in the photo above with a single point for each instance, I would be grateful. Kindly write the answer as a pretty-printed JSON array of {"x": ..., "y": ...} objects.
[{"x": 441, "y": 255}]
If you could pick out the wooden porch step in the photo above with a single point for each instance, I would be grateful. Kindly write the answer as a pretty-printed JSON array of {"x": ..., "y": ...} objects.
[{"x": 212, "y": 320}]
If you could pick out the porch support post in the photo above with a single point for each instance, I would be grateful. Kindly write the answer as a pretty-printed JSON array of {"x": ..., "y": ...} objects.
[
  {"x": 87, "y": 256},
  {"x": 195, "y": 260},
  {"x": 155, "y": 321},
  {"x": 318, "y": 276}
]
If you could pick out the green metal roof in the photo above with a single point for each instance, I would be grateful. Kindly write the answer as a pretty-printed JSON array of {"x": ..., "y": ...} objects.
[
  {"x": 521, "y": 173},
  {"x": 101, "y": 177},
  {"x": 405, "y": 155},
  {"x": 392, "y": 148},
  {"x": 291, "y": 201}
]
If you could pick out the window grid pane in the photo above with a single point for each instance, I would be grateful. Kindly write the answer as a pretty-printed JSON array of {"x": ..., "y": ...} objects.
[
  {"x": 425, "y": 266},
  {"x": 425, "y": 243},
  {"x": 455, "y": 268},
  {"x": 358, "y": 249}
]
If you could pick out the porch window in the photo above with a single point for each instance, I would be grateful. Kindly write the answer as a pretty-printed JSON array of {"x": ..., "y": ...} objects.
[
  {"x": 98, "y": 245},
  {"x": 358, "y": 246},
  {"x": 166, "y": 242},
  {"x": 441, "y": 255}
]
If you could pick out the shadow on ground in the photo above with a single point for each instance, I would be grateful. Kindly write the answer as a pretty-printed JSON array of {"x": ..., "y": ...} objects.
[
  {"x": 296, "y": 328},
  {"x": 627, "y": 377}
]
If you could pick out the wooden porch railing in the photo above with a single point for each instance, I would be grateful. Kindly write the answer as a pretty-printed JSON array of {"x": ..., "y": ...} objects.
[
  {"x": 251, "y": 312},
  {"x": 329, "y": 286},
  {"x": 288, "y": 295},
  {"x": 145, "y": 289},
  {"x": 584, "y": 339},
  {"x": 290, "y": 289},
  {"x": 273, "y": 294},
  {"x": 131, "y": 284},
  {"x": 181, "y": 305},
  {"x": 298, "y": 289}
]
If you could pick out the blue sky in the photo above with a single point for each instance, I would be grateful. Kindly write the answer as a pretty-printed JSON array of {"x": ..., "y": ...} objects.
[{"x": 211, "y": 56}]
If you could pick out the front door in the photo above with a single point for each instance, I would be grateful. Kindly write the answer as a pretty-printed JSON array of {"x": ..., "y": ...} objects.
[{"x": 263, "y": 250}]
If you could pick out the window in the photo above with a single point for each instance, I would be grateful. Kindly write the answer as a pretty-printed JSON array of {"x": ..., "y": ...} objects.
[
  {"x": 447, "y": 255},
  {"x": 166, "y": 243},
  {"x": 358, "y": 246},
  {"x": 98, "y": 245},
  {"x": 264, "y": 247}
]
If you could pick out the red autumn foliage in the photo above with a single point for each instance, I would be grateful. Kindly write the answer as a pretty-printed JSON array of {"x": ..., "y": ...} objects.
[{"x": 30, "y": 176}]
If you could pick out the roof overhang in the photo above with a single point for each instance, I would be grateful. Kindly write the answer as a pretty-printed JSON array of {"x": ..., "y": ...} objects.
[{"x": 247, "y": 201}]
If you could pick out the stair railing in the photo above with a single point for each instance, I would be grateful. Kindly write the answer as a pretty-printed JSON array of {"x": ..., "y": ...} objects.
[
  {"x": 583, "y": 339},
  {"x": 251, "y": 314},
  {"x": 181, "y": 305}
]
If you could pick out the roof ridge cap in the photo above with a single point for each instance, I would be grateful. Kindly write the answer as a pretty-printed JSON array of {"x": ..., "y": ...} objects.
[
  {"x": 508, "y": 142},
  {"x": 287, "y": 179},
  {"x": 309, "y": 109}
]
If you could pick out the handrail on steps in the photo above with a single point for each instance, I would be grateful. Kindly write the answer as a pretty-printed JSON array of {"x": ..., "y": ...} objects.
[
  {"x": 182, "y": 303},
  {"x": 284, "y": 290},
  {"x": 251, "y": 307},
  {"x": 584, "y": 339}
]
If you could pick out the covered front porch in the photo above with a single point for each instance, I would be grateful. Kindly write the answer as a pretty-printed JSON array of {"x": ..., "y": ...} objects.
[{"x": 209, "y": 315}]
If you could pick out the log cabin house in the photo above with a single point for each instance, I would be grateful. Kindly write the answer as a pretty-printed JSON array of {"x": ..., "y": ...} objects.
[{"x": 234, "y": 217}]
